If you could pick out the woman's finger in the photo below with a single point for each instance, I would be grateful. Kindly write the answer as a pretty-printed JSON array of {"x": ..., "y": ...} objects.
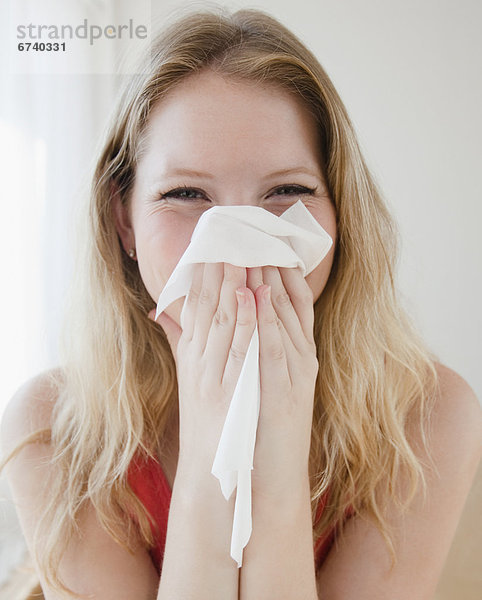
[
  {"x": 254, "y": 278},
  {"x": 301, "y": 297},
  {"x": 221, "y": 333},
  {"x": 284, "y": 308},
  {"x": 170, "y": 327},
  {"x": 243, "y": 332},
  {"x": 190, "y": 303},
  {"x": 207, "y": 303},
  {"x": 273, "y": 366}
]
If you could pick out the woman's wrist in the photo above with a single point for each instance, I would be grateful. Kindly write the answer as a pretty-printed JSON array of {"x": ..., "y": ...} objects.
[
  {"x": 280, "y": 497},
  {"x": 195, "y": 483},
  {"x": 197, "y": 558}
]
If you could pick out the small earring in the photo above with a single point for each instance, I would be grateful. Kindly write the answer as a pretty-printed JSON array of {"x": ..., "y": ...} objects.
[{"x": 132, "y": 253}]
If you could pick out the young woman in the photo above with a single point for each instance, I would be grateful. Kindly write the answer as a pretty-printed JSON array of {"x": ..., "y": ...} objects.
[{"x": 365, "y": 447}]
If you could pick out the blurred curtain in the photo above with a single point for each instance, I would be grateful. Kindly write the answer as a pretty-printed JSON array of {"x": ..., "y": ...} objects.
[{"x": 51, "y": 125}]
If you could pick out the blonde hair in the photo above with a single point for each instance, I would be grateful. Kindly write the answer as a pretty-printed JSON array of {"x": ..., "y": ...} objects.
[{"x": 118, "y": 387}]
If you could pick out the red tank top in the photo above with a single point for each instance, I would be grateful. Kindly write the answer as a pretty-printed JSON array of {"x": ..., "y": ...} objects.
[{"x": 149, "y": 484}]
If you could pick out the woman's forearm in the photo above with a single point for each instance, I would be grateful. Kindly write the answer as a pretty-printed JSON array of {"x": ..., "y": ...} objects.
[
  {"x": 197, "y": 563},
  {"x": 278, "y": 560}
]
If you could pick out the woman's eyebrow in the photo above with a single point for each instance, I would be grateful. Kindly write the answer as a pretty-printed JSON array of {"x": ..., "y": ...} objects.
[
  {"x": 204, "y": 175},
  {"x": 294, "y": 171},
  {"x": 184, "y": 171}
]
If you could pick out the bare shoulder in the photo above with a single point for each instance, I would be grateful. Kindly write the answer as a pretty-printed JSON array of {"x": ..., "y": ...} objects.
[
  {"x": 456, "y": 404},
  {"x": 91, "y": 560},
  {"x": 359, "y": 567},
  {"x": 455, "y": 392},
  {"x": 455, "y": 427},
  {"x": 28, "y": 458},
  {"x": 30, "y": 409}
]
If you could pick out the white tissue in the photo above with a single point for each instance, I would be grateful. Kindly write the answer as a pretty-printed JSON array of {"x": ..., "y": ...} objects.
[{"x": 245, "y": 236}]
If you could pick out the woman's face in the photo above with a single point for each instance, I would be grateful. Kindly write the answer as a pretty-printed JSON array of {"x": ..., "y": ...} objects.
[{"x": 215, "y": 141}]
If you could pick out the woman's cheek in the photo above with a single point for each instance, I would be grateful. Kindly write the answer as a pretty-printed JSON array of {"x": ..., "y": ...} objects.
[
  {"x": 317, "y": 279},
  {"x": 159, "y": 250},
  {"x": 324, "y": 213}
]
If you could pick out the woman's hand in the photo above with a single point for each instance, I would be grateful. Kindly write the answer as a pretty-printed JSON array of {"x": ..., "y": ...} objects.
[
  {"x": 288, "y": 370},
  {"x": 218, "y": 323},
  {"x": 219, "y": 319}
]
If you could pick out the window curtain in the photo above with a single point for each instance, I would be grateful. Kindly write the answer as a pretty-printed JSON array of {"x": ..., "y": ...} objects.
[{"x": 51, "y": 125}]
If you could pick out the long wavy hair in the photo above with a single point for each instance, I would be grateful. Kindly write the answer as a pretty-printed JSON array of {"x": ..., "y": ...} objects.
[{"x": 118, "y": 389}]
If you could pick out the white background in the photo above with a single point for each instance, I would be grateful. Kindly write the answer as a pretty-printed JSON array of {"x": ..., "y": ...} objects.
[{"x": 409, "y": 74}]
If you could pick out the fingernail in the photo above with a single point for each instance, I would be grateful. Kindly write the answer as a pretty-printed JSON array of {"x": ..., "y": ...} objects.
[
  {"x": 241, "y": 296},
  {"x": 267, "y": 295}
]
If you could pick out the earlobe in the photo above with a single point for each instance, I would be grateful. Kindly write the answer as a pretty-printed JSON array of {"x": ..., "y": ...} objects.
[{"x": 122, "y": 220}]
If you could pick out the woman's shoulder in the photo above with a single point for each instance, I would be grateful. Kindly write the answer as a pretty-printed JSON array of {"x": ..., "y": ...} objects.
[
  {"x": 455, "y": 421},
  {"x": 30, "y": 408},
  {"x": 456, "y": 400}
]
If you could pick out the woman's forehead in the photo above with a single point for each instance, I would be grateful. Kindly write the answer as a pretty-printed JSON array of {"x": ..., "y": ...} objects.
[{"x": 207, "y": 117}]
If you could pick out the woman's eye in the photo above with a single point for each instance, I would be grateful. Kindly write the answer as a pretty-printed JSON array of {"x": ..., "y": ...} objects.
[
  {"x": 184, "y": 193},
  {"x": 190, "y": 194},
  {"x": 290, "y": 190}
]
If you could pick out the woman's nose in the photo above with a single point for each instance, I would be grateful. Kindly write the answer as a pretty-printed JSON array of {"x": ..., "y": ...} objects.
[{"x": 240, "y": 198}]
